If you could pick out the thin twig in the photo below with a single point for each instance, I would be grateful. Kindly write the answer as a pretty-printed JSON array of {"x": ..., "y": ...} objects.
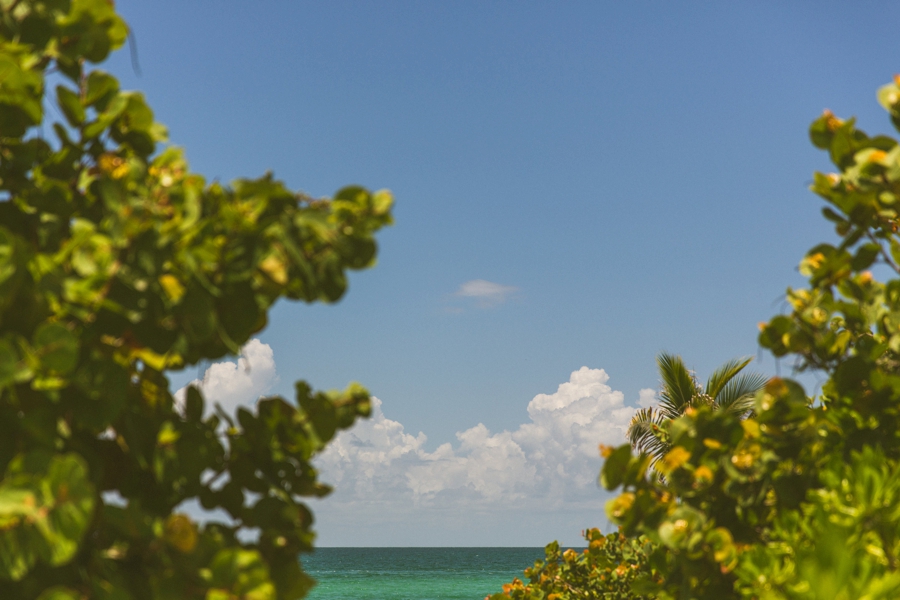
[{"x": 132, "y": 47}]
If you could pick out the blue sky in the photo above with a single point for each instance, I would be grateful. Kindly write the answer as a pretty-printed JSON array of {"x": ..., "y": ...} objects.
[{"x": 633, "y": 173}]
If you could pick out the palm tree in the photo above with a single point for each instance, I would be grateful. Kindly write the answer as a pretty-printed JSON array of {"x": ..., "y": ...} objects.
[{"x": 726, "y": 389}]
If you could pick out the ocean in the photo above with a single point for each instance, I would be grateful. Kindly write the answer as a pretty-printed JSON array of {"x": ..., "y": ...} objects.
[{"x": 415, "y": 573}]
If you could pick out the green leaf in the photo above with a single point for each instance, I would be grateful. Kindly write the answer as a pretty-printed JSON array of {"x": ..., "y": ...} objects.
[
  {"x": 115, "y": 106},
  {"x": 865, "y": 256},
  {"x": 96, "y": 29},
  {"x": 193, "y": 404},
  {"x": 70, "y": 105},
  {"x": 889, "y": 97},
  {"x": 198, "y": 314},
  {"x": 240, "y": 573},
  {"x": 9, "y": 363},
  {"x": 59, "y": 593},
  {"x": 100, "y": 89},
  {"x": 239, "y": 314},
  {"x": 20, "y": 97},
  {"x": 57, "y": 348},
  {"x": 45, "y": 508},
  {"x": 821, "y": 131},
  {"x": 615, "y": 467}
]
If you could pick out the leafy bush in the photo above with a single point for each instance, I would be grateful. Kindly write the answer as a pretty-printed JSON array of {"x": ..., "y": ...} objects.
[
  {"x": 117, "y": 264},
  {"x": 802, "y": 500},
  {"x": 608, "y": 569}
]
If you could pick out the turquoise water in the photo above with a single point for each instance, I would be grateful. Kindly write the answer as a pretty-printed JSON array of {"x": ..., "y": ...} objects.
[{"x": 415, "y": 573}]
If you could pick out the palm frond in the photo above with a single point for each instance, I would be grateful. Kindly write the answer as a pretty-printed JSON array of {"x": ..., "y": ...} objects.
[
  {"x": 725, "y": 373},
  {"x": 726, "y": 389},
  {"x": 678, "y": 385},
  {"x": 644, "y": 433},
  {"x": 739, "y": 394}
]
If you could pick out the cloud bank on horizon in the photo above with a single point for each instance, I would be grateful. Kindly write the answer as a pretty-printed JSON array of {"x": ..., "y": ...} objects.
[{"x": 550, "y": 460}]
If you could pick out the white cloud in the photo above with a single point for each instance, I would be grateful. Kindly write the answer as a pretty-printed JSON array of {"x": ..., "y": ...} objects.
[
  {"x": 521, "y": 487},
  {"x": 647, "y": 398},
  {"x": 551, "y": 460},
  {"x": 242, "y": 383},
  {"x": 487, "y": 293}
]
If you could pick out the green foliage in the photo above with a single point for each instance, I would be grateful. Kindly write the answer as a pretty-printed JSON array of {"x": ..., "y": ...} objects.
[
  {"x": 612, "y": 567},
  {"x": 801, "y": 500},
  {"x": 45, "y": 506},
  {"x": 117, "y": 264}
]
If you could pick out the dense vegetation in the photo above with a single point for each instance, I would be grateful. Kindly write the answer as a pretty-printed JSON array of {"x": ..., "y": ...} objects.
[
  {"x": 612, "y": 566},
  {"x": 117, "y": 263},
  {"x": 802, "y": 499}
]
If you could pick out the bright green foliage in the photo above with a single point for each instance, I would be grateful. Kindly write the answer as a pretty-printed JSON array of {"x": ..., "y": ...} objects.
[
  {"x": 46, "y": 503},
  {"x": 116, "y": 264},
  {"x": 727, "y": 389},
  {"x": 612, "y": 567},
  {"x": 802, "y": 501}
]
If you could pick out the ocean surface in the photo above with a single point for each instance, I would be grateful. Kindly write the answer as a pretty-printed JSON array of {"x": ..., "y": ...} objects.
[{"x": 415, "y": 573}]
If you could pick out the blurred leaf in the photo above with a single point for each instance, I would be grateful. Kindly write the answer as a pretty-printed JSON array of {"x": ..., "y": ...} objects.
[
  {"x": 45, "y": 508},
  {"x": 613, "y": 472},
  {"x": 57, "y": 347},
  {"x": 70, "y": 105}
]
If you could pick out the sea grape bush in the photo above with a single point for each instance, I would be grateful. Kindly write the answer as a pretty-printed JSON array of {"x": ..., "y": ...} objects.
[
  {"x": 800, "y": 501},
  {"x": 612, "y": 567},
  {"x": 117, "y": 264}
]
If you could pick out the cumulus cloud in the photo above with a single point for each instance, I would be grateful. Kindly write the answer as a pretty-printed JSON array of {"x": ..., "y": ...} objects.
[
  {"x": 237, "y": 383},
  {"x": 487, "y": 293},
  {"x": 550, "y": 460},
  {"x": 647, "y": 398},
  {"x": 390, "y": 489}
]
